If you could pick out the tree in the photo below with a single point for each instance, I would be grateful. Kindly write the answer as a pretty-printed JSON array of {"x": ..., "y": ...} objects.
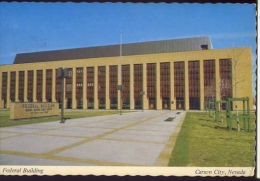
[{"x": 236, "y": 81}]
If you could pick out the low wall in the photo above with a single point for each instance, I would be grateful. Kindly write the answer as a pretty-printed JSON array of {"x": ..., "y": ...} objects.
[{"x": 33, "y": 110}]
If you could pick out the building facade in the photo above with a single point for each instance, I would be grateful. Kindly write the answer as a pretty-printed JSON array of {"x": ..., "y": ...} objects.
[{"x": 171, "y": 74}]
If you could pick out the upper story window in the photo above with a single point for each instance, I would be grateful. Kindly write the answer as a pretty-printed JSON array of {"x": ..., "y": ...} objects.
[{"x": 204, "y": 47}]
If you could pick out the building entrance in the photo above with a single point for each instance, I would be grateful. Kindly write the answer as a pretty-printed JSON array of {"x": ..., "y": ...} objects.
[
  {"x": 113, "y": 103},
  {"x": 102, "y": 103},
  {"x": 90, "y": 103},
  {"x": 179, "y": 103},
  {"x": 79, "y": 103},
  {"x": 126, "y": 104},
  {"x": 194, "y": 103},
  {"x": 138, "y": 104},
  {"x": 59, "y": 101},
  {"x": 165, "y": 103},
  {"x": 69, "y": 103},
  {"x": 152, "y": 103}
]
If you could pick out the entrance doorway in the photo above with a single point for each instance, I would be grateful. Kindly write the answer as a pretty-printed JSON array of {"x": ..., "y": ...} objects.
[
  {"x": 102, "y": 103},
  {"x": 138, "y": 104},
  {"x": 180, "y": 103},
  {"x": 113, "y": 103},
  {"x": 152, "y": 103},
  {"x": 194, "y": 103},
  {"x": 165, "y": 103},
  {"x": 69, "y": 103},
  {"x": 80, "y": 103},
  {"x": 126, "y": 103},
  {"x": 90, "y": 103}
]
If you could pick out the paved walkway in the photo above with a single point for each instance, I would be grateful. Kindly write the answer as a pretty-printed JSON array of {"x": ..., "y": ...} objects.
[{"x": 132, "y": 139}]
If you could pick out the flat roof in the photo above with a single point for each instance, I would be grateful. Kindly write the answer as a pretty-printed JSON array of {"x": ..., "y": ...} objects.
[{"x": 142, "y": 48}]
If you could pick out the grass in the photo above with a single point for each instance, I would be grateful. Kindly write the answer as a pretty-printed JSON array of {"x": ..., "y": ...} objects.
[
  {"x": 5, "y": 115},
  {"x": 204, "y": 142}
]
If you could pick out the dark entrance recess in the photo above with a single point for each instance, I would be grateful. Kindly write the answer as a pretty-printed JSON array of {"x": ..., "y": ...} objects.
[
  {"x": 90, "y": 103},
  {"x": 113, "y": 103},
  {"x": 179, "y": 103},
  {"x": 194, "y": 103},
  {"x": 138, "y": 104},
  {"x": 166, "y": 103},
  {"x": 102, "y": 103},
  {"x": 152, "y": 103},
  {"x": 69, "y": 103},
  {"x": 79, "y": 103},
  {"x": 59, "y": 101},
  {"x": 126, "y": 103}
]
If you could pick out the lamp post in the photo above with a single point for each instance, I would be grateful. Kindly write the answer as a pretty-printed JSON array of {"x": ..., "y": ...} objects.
[
  {"x": 120, "y": 86},
  {"x": 62, "y": 73}
]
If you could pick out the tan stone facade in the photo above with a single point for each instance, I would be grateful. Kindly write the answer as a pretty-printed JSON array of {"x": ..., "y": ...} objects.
[{"x": 158, "y": 84}]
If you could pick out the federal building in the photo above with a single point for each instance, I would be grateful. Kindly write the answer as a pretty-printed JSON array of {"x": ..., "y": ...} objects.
[{"x": 168, "y": 74}]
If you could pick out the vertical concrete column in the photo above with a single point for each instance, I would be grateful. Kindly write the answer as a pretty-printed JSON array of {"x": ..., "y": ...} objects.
[
  {"x": 217, "y": 78},
  {"x": 201, "y": 85},
  {"x": 44, "y": 85},
  {"x": 132, "y": 100},
  {"x": 16, "y": 86},
  {"x": 145, "y": 99},
  {"x": 158, "y": 87},
  {"x": 53, "y": 91},
  {"x": 107, "y": 88},
  {"x": 85, "y": 105},
  {"x": 8, "y": 90},
  {"x": 34, "y": 85},
  {"x": 25, "y": 99},
  {"x": 95, "y": 87},
  {"x": 186, "y": 98},
  {"x": 172, "y": 96},
  {"x": 74, "y": 100}
]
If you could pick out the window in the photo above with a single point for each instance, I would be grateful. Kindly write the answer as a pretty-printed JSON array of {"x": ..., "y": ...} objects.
[
  {"x": 209, "y": 80},
  {"x": 90, "y": 82}
]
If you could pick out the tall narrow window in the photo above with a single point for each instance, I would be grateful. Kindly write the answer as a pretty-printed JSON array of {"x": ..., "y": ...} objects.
[
  {"x": 30, "y": 85},
  {"x": 113, "y": 82},
  {"x": 151, "y": 84},
  {"x": 39, "y": 85},
  {"x": 21, "y": 86},
  {"x": 209, "y": 80},
  {"x": 225, "y": 73},
  {"x": 90, "y": 87},
  {"x": 138, "y": 85},
  {"x": 102, "y": 87},
  {"x": 179, "y": 84},
  {"x": 79, "y": 87},
  {"x": 48, "y": 91},
  {"x": 194, "y": 84},
  {"x": 12, "y": 86},
  {"x": 126, "y": 86},
  {"x": 4, "y": 88},
  {"x": 165, "y": 84},
  {"x": 58, "y": 87},
  {"x": 68, "y": 87}
]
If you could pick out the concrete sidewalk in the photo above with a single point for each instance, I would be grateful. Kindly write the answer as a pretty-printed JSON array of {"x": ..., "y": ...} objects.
[{"x": 132, "y": 139}]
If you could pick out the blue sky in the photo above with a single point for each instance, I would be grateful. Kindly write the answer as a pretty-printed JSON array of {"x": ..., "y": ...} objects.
[{"x": 31, "y": 27}]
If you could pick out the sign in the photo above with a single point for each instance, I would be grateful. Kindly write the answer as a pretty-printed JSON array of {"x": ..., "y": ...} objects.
[{"x": 33, "y": 110}]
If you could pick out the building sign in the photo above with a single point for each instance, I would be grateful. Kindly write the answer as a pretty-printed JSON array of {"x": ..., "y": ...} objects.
[{"x": 33, "y": 110}]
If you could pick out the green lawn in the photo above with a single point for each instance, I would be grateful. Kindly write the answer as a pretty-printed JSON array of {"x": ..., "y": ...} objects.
[
  {"x": 5, "y": 121},
  {"x": 204, "y": 142}
]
